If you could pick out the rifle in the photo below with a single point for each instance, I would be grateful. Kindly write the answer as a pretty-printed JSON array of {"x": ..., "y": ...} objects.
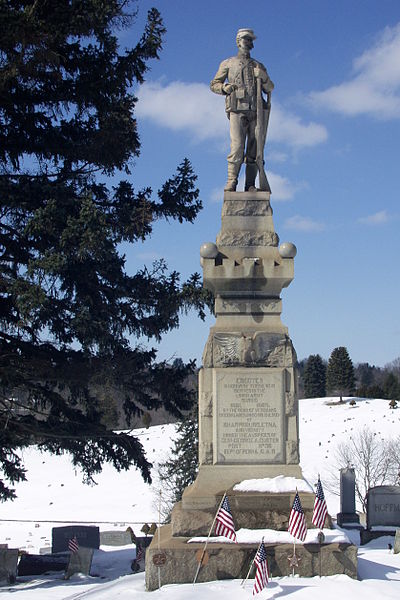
[{"x": 261, "y": 134}]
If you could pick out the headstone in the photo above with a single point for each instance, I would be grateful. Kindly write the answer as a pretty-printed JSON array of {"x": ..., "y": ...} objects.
[
  {"x": 87, "y": 536},
  {"x": 115, "y": 538},
  {"x": 79, "y": 562},
  {"x": 383, "y": 507},
  {"x": 396, "y": 547},
  {"x": 8, "y": 564},
  {"x": 348, "y": 516},
  {"x": 37, "y": 564},
  {"x": 347, "y": 490}
]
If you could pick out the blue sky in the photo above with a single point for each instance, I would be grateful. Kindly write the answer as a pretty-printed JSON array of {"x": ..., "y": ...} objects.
[{"x": 332, "y": 157}]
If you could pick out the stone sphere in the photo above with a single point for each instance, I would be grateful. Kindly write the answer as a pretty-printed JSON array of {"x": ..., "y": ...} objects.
[
  {"x": 208, "y": 250},
  {"x": 287, "y": 250}
]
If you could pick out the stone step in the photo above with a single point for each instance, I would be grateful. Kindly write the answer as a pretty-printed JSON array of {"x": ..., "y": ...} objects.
[{"x": 231, "y": 561}]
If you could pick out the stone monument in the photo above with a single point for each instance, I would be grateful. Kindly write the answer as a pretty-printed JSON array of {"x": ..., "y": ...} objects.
[
  {"x": 348, "y": 517},
  {"x": 248, "y": 409}
]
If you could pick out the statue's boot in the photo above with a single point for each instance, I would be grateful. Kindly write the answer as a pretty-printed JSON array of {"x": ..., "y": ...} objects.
[
  {"x": 251, "y": 174},
  {"x": 233, "y": 172}
]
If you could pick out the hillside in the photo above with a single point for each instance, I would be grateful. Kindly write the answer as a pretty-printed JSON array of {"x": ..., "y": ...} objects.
[{"x": 54, "y": 491}]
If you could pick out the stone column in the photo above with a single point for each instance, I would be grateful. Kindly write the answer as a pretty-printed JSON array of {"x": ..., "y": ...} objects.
[{"x": 248, "y": 415}]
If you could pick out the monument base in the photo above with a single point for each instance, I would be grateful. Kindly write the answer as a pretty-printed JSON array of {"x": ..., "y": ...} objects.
[
  {"x": 178, "y": 560},
  {"x": 213, "y": 480},
  {"x": 349, "y": 521},
  {"x": 171, "y": 557},
  {"x": 250, "y": 510}
]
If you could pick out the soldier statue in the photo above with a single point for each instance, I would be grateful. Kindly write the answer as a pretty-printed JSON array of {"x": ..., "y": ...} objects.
[{"x": 242, "y": 80}]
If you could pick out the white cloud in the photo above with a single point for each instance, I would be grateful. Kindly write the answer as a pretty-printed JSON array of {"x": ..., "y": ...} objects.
[
  {"x": 281, "y": 187},
  {"x": 276, "y": 156},
  {"x": 287, "y": 128},
  {"x": 217, "y": 194},
  {"x": 182, "y": 106},
  {"x": 376, "y": 219},
  {"x": 374, "y": 88},
  {"x": 193, "y": 108},
  {"x": 304, "y": 224}
]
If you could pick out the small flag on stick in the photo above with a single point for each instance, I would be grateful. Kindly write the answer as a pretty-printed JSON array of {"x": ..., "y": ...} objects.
[
  {"x": 73, "y": 545},
  {"x": 139, "y": 552},
  {"x": 262, "y": 575},
  {"x": 224, "y": 521},
  {"x": 320, "y": 508},
  {"x": 297, "y": 520}
]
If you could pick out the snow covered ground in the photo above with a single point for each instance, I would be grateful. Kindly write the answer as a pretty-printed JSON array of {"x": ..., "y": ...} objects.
[{"x": 55, "y": 495}]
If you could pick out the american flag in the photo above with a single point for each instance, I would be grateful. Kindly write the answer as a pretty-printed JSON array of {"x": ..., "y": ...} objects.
[
  {"x": 73, "y": 544},
  {"x": 224, "y": 521},
  {"x": 320, "y": 508},
  {"x": 262, "y": 575},
  {"x": 297, "y": 520},
  {"x": 139, "y": 553}
]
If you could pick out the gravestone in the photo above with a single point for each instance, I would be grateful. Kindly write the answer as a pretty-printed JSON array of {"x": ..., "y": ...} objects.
[
  {"x": 8, "y": 564},
  {"x": 38, "y": 564},
  {"x": 79, "y": 562},
  {"x": 115, "y": 538},
  {"x": 396, "y": 547},
  {"x": 348, "y": 518},
  {"x": 383, "y": 507},
  {"x": 87, "y": 536}
]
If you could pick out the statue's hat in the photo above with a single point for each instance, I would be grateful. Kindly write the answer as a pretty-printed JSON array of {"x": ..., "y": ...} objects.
[{"x": 245, "y": 32}]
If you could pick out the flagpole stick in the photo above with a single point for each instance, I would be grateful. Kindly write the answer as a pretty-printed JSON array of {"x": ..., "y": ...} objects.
[
  {"x": 159, "y": 525},
  {"x": 320, "y": 556},
  {"x": 294, "y": 549},
  {"x": 252, "y": 563},
  {"x": 208, "y": 537}
]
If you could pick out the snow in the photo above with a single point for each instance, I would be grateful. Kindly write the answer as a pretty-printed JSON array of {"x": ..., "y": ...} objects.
[
  {"x": 270, "y": 536},
  {"x": 273, "y": 485},
  {"x": 55, "y": 495}
]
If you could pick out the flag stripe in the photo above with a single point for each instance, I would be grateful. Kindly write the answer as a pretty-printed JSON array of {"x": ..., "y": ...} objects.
[
  {"x": 320, "y": 508},
  {"x": 262, "y": 574},
  {"x": 73, "y": 545},
  {"x": 297, "y": 521},
  {"x": 224, "y": 522}
]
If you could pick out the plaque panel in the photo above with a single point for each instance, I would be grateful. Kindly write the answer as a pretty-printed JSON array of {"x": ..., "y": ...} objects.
[{"x": 249, "y": 416}]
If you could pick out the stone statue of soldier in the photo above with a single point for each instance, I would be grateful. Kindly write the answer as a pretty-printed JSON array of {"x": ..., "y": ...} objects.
[{"x": 241, "y": 79}]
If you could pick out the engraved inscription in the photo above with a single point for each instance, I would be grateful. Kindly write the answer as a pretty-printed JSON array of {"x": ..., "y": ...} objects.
[{"x": 249, "y": 407}]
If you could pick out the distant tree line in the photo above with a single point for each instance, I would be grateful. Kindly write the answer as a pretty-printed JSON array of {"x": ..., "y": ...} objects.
[{"x": 338, "y": 376}]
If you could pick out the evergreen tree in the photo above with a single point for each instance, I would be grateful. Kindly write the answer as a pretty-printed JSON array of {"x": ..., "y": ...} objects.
[
  {"x": 315, "y": 377},
  {"x": 365, "y": 374},
  {"x": 391, "y": 387},
  {"x": 181, "y": 468},
  {"x": 340, "y": 373},
  {"x": 373, "y": 391},
  {"x": 69, "y": 311}
]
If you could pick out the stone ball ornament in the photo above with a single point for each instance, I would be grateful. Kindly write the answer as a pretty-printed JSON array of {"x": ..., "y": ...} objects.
[
  {"x": 208, "y": 250},
  {"x": 287, "y": 250}
]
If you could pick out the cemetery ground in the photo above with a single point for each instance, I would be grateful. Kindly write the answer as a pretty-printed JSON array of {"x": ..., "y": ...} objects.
[{"x": 54, "y": 495}]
